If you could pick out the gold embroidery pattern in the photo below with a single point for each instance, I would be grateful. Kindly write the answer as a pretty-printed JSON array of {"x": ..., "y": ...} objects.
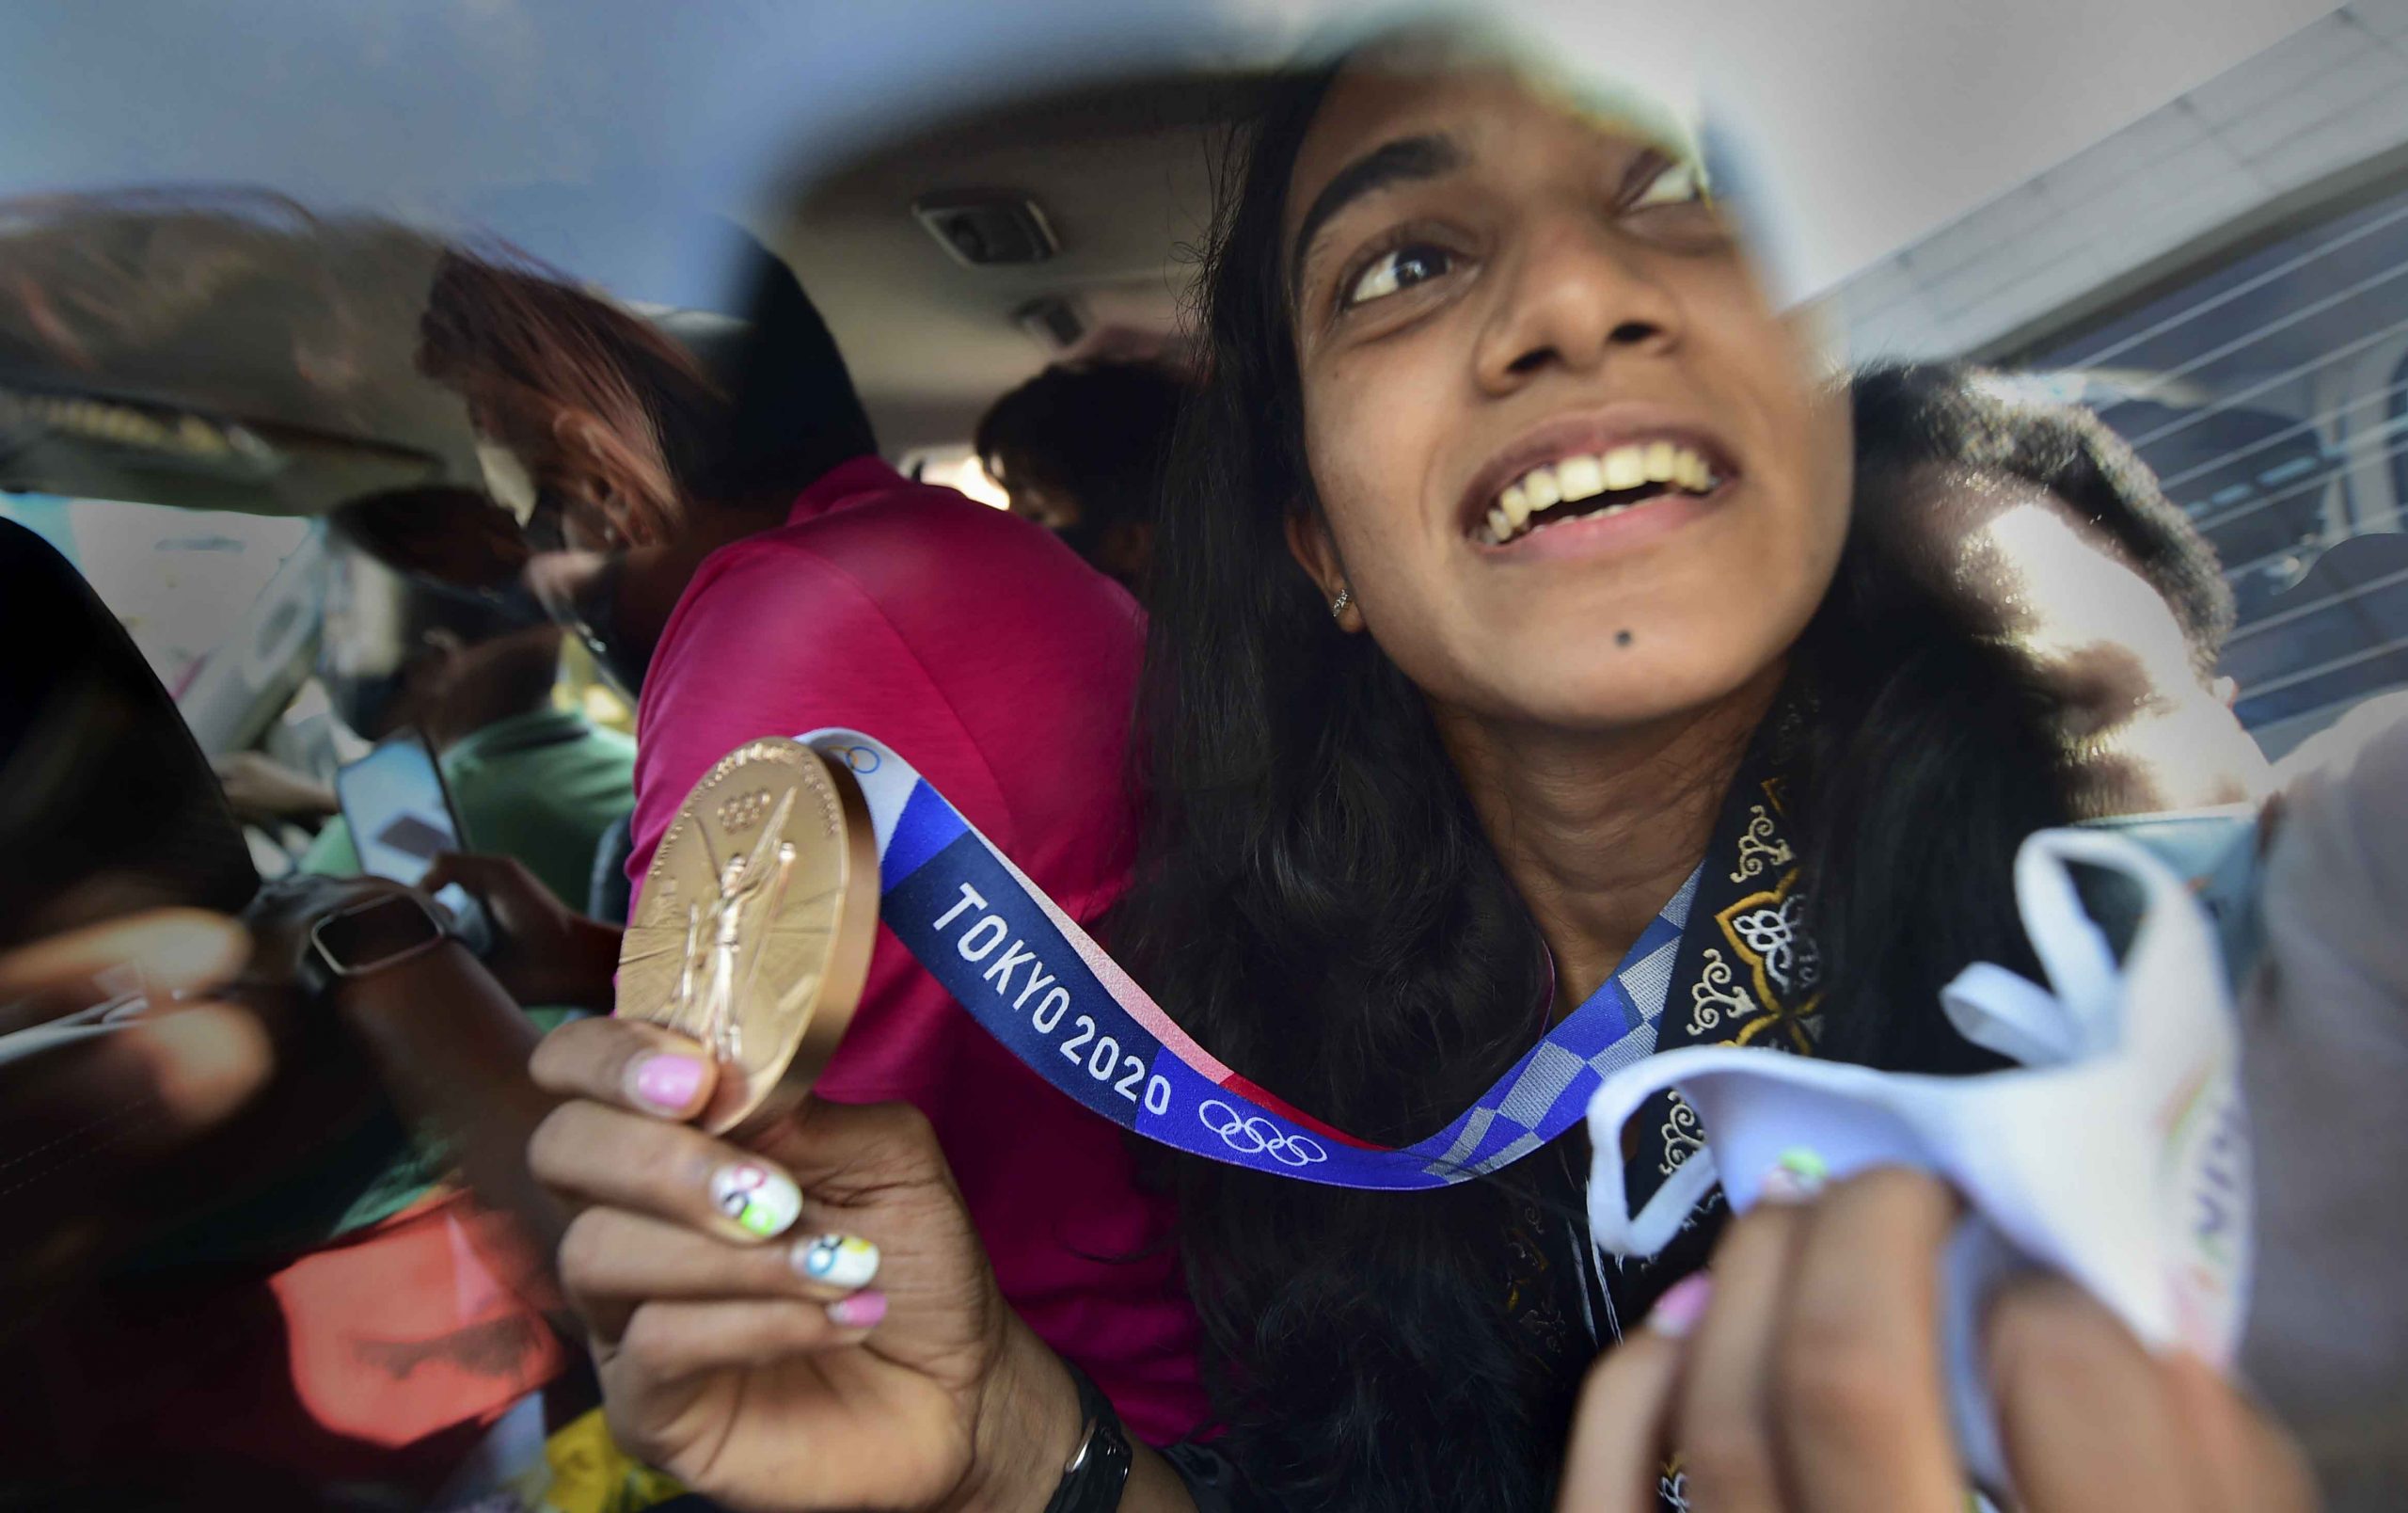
[
  {"x": 1761, "y": 846},
  {"x": 1717, "y": 992},
  {"x": 1683, "y": 1136}
]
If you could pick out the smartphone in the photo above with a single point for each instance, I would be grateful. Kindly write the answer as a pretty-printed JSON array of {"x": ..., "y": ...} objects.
[{"x": 401, "y": 817}]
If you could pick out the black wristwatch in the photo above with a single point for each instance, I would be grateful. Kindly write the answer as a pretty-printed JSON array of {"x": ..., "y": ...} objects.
[
  {"x": 1098, "y": 1469},
  {"x": 382, "y": 933}
]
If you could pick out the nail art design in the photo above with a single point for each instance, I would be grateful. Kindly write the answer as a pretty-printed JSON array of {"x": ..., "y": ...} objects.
[
  {"x": 838, "y": 1260},
  {"x": 1796, "y": 1175},
  {"x": 858, "y": 1312},
  {"x": 763, "y": 1200},
  {"x": 1683, "y": 1304}
]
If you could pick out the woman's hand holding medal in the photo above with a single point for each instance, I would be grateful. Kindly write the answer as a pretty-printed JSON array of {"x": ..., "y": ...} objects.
[{"x": 728, "y": 1289}]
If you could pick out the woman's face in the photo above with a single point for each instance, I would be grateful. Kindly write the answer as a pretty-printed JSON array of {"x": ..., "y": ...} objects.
[{"x": 1501, "y": 307}]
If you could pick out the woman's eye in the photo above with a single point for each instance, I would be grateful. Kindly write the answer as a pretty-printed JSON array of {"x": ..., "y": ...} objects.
[
  {"x": 1674, "y": 183},
  {"x": 1397, "y": 270}
]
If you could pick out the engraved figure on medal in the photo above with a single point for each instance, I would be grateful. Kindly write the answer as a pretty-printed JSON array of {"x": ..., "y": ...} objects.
[
  {"x": 731, "y": 969},
  {"x": 753, "y": 936}
]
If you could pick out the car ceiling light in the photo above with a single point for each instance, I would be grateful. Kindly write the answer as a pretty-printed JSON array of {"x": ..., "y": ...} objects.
[{"x": 988, "y": 229}]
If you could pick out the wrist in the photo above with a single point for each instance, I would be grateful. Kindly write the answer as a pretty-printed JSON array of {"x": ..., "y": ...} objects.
[
  {"x": 595, "y": 947},
  {"x": 1029, "y": 1426},
  {"x": 391, "y": 990}
]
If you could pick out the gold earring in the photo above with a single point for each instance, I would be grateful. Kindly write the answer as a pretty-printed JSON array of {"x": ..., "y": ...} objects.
[{"x": 1337, "y": 605}]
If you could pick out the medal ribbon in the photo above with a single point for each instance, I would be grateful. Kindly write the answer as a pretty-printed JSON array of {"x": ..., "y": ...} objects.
[{"x": 1040, "y": 985}]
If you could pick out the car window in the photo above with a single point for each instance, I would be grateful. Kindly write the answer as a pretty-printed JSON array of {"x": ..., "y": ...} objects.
[{"x": 183, "y": 581}]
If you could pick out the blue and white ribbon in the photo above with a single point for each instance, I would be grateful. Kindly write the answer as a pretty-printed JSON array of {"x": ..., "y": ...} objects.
[{"x": 1040, "y": 985}]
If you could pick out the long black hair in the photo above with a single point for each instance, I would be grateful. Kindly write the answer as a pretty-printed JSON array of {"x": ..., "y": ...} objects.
[{"x": 1316, "y": 901}]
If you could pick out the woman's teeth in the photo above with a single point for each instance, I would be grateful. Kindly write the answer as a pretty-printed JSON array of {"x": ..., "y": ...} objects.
[{"x": 1570, "y": 480}]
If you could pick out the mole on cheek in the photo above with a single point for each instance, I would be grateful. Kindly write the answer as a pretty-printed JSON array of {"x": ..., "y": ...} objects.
[{"x": 1622, "y": 638}]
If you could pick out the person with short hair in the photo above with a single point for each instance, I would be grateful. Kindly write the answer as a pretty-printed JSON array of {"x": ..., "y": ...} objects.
[
  {"x": 2056, "y": 538},
  {"x": 1081, "y": 448}
]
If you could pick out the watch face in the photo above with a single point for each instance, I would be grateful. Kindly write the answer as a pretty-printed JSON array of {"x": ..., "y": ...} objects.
[{"x": 376, "y": 933}]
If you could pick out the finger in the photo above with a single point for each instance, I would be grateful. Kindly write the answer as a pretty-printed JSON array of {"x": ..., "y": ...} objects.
[
  {"x": 592, "y": 1153},
  {"x": 666, "y": 1343},
  {"x": 1721, "y": 1428},
  {"x": 1616, "y": 1461},
  {"x": 1860, "y": 1416},
  {"x": 479, "y": 874},
  {"x": 2085, "y": 1417},
  {"x": 172, "y": 949},
  {"x": 187, "y": 1068},
  {"x": 612, "y": 1260},
  {"x": 627, "y": 1063},
  {"x": 843, "y": 1153},
  {"x": 2246, "y": 1459},
  {"x": 87, "y": 1110}
]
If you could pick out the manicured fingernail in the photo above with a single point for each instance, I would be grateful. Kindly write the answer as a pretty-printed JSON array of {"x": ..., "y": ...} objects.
[
  {"x": 1796, "y": 1177},
  {"x": 668, "y": 1082},
  {"x": 838, "y": 1260},
  {"x": 759, "y": 1198},
  {"x": 1677, "y": 1312},
  {"x": 861, "y": 1311}
]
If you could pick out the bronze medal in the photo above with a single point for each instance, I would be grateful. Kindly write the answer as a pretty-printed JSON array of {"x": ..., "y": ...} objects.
[{"x": 754, "y": 932}]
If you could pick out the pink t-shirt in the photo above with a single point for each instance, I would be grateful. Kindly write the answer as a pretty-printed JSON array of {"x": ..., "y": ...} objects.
[{"x": 1003, "y": 668}]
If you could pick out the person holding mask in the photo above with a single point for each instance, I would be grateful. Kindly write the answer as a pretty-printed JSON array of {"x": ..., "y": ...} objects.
[
  {"x": 2061, "y": 546},
  {"x": 1428, "y": 793}
]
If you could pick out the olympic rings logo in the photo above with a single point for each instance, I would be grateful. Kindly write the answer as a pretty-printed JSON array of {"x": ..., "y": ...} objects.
[
  {"x": 1253, "y": 1134},
  {"x": 860, "y": 758}
]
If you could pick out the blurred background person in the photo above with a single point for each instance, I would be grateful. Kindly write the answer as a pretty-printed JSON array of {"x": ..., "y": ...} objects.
[
  {"x": 315, "y": 1182},
  {"x": 2060, "y": 544},
  {"x": 1081, "y": 448},
  {"x": 2043, "y": 523},
  {"x": 529, "y": 778},
  {"x": 232, "y": 1171}
]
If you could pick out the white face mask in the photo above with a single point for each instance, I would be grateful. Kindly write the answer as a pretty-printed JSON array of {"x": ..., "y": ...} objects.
[
  {"x": 507, "y": 480},
  {"x": 2117, "y": 1155}
]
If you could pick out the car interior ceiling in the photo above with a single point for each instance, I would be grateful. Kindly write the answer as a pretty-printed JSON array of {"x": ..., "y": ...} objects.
[{"x": 1122, "y": 172}]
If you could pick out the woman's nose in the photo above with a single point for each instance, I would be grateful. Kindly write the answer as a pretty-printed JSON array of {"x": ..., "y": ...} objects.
[{"x": 1575, "y": 294}]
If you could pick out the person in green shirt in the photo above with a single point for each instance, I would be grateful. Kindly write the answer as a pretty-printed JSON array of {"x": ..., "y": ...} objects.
[
  {"x": 533, "y": 783},
  {"x": 530, "y": 780}
]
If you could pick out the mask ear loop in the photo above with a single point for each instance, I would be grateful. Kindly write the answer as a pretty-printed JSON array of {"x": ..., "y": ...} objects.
[{"x": 1612, "y": 1224}]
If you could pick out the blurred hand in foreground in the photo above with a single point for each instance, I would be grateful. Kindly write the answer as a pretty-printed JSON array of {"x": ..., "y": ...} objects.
[{"x": 1803, "y": 1374}]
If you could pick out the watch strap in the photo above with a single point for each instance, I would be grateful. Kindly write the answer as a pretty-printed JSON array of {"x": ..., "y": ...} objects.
[
  {"x": 367, "y": 937},
  {"x": 1098, "y": 1469}
]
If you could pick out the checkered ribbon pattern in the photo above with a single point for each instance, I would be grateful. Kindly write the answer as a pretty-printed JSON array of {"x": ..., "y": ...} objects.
[{"x": 1035, "y": 981}]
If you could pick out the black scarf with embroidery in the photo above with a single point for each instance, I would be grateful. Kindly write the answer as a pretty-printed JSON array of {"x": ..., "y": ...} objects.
[{"x": 1745, "y": 972}]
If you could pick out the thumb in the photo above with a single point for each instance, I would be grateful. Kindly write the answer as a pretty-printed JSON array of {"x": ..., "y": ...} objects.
[
  {"x": 843, "y": 1152},
  {"x": 471, "y": 870},
  {"x": 151, "y": 1079},
  {"x": 166, "y": 951},
  {"x": 2246, "y": 1456}
]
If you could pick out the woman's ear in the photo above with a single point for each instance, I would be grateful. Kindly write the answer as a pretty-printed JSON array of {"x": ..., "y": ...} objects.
[{"x": 1309, "y": 543}]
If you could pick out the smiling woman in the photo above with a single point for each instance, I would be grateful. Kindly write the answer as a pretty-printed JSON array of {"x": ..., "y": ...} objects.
[
  {"x": 1492, "y": 366},
  {"x": 1522, "y": 699}
]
